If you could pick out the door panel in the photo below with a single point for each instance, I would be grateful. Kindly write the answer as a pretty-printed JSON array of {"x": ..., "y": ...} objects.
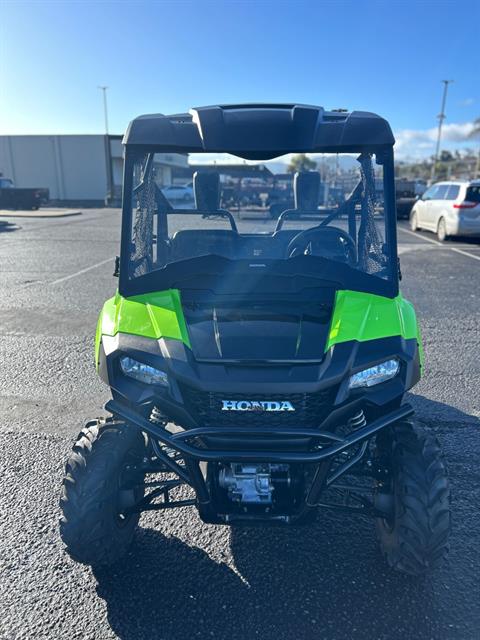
[
  {"x": 425, "y": 207},
  {"x": 433, "y": 199},
  {"x": 438, "y": 206}
]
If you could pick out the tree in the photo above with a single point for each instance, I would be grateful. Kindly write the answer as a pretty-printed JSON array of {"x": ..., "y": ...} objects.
[
  {"x": 301, "y": 162},
  {"x": 473, "y": 134},
  {"x": 446, "y": 156},
  {"x": 476, "y": 128}
]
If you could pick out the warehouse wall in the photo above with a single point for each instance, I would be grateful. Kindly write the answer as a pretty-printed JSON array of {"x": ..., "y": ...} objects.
[{"x": 72, "y": 167}]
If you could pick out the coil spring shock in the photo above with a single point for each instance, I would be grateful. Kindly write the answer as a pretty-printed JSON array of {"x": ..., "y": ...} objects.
[
  {"x": 357, "y": 421},
  {"x": 157, "y": 417}
]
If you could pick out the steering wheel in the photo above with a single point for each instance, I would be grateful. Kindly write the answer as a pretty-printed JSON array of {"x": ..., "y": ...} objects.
[{"x": 322, "y": 237}]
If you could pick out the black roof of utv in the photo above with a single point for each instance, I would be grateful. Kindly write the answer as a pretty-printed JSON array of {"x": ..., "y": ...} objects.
[{"x": 260, "y": 131}]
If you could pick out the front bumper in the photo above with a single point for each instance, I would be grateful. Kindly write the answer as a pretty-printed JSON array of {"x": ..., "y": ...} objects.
[
  {"x": 324, "y": 443},
  {"x": 322, "y": 448}
]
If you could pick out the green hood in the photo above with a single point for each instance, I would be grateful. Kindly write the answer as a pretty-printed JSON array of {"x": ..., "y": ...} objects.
[{"x": 356, "y": 316}]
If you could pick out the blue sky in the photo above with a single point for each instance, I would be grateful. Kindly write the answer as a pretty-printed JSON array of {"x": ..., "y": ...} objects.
[{"x": 382, "y": 56}]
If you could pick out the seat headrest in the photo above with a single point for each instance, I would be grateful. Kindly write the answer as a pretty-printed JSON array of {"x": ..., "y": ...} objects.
[
  {"x": 306, "y": 189},
  {"x": 206, "y": 187}
]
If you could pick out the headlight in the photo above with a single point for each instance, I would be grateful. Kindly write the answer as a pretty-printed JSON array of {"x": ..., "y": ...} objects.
[
  {"x": 143, "y": 372},
  {"x": 375, "y": 375}
]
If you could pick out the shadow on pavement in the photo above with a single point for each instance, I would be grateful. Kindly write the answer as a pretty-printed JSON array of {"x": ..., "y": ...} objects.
[
  {"x": 326, "y": 580},
  {"x": 168, "y": 589},
  {"x": 6, "y": 226},
  {"x": 322, "y": 581},
  {"x": 475, "y": 240},
  {"x": 432, "y": 413}
]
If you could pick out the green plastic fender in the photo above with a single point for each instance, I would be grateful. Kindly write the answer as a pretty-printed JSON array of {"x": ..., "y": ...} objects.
[
  {"x": 365, "y": 316},
  {"x": 356, "y": 316},
  {"x": 153, "y": 315}
]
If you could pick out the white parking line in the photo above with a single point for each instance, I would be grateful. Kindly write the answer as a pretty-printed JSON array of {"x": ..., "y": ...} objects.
[
  {"x": 415, "y": 235},
  {"x": 440, "y": 244},
  {"x": 465, "y": 253},
  {"x": 79, "y": 273}
]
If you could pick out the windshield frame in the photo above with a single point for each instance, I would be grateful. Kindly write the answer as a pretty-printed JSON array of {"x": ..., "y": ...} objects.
[{"x": 176, "y": 274}]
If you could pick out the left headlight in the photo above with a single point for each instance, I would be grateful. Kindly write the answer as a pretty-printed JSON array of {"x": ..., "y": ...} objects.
[
  {"x": 375, "y": 375},
  {"x": 143, "y": 372}
]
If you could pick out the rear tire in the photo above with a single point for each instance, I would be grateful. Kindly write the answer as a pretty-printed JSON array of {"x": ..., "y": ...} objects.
[
  {"x": 92, "y": 525},
  {"x": 414, "y": 539},
  {"x": 442, "y": 230}
]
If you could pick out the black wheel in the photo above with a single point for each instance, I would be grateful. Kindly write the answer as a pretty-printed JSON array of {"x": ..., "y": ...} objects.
[
  {"x": 414, "y": 537},
  {"x": 442, "y": 230},
  {"x": 93, "y": 498}
]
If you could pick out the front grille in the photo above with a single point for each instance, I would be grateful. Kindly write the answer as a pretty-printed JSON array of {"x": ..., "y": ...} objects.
[{"x": 206, "y": 407}]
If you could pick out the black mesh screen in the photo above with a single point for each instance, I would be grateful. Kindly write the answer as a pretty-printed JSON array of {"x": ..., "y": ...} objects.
[
  {"x": 310, "y": 409},
  {"x": 371, "y": 256}
]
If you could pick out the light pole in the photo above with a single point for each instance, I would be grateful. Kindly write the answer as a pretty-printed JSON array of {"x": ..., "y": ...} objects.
[
  {"x": 108, "y": 151},
  {"x": 441, "y": 118},
  {"x": 105, "y": 108}
]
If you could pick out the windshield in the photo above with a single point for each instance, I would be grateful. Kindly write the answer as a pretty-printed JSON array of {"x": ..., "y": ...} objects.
[{"x": 297, "y": 208}]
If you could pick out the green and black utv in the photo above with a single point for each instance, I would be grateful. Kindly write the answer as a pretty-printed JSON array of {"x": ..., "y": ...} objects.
[{"x": 258, "y": 366}]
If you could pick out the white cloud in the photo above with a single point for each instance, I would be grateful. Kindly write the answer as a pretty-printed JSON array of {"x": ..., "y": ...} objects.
[
  {"x": 420, "y": 143},
  {"x": 467, "y": 102},
  {"x": 411, "y": 144}
]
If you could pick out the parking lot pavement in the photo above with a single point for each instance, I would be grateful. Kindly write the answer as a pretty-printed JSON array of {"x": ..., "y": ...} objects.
[{"x": 184, "y": 579}]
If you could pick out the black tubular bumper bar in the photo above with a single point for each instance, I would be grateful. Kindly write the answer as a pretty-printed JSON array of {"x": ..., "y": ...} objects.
[{"x": 327, "y": 444}]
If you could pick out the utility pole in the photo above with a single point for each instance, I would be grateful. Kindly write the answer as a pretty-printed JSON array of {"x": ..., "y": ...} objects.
[
  {"x": 108, "y": 150},
  {"x": 441, "y": 118},
  {"x": 105, "y": 109}
]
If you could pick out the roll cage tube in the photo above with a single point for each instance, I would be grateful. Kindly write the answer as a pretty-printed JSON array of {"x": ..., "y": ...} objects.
[{"x": 391, "y": 223}]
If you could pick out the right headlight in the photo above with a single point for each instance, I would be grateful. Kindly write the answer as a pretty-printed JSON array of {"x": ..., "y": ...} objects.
[
  {"x": 143, "y": 372},
  {"x": 375, "y": 375}
]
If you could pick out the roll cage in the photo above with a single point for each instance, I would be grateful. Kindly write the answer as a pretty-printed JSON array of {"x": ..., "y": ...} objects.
[{"x": 257, "y": 132}]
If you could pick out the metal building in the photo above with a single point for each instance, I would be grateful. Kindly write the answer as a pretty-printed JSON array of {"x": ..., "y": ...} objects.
[{"x": 77, "y": 169}]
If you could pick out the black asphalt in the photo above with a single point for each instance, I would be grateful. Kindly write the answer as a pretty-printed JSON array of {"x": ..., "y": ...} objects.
[{"x": 184, "y": 579}]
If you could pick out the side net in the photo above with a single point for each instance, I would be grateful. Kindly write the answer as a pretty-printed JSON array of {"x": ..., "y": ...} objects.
[
  {"x": 371, "y": 256},
  {"x": 143, "y": 211}
]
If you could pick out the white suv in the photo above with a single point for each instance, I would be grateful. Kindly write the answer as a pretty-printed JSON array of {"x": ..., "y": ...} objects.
[{"x": 449, "y": 209}]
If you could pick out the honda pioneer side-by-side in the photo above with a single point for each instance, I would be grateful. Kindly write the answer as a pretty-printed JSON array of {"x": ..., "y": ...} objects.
[{"x": 258, "y": 364}]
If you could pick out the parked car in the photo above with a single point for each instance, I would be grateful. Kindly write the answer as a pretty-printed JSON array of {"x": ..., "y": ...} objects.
[
  {"x": 178, "y": 193},
  {"x": 449, "y": 209},
  {"x": 405, "y": 195},
  {"x": 13, "y": 198}
]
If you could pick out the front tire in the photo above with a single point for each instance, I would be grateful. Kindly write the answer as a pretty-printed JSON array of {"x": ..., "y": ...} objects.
[
  {"x": 92, "y": 525},
  {"x": 414, "y": 538}
]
